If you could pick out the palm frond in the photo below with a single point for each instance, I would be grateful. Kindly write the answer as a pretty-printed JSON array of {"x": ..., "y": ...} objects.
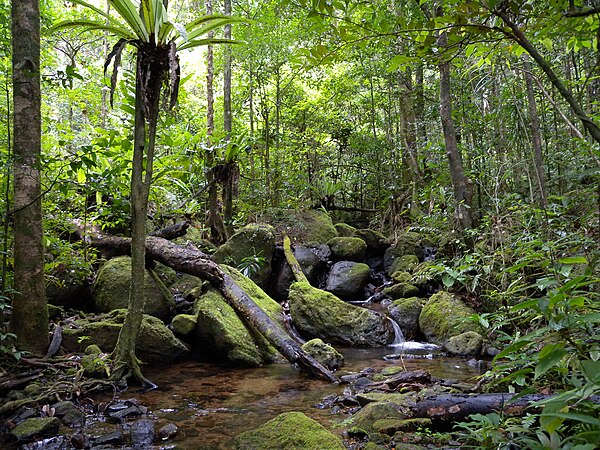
[
  {"x": 209, "y": 25},
  {"x": 129, "y": 13},
  {"x": 200, "y": 42},
  {"x": 115, "y": 54},
  {"x": 90, "y": 25}
]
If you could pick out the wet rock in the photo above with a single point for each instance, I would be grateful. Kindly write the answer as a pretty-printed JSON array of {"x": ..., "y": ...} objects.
[
  {"x": 468, "y": 343},
  {"x": 347, "y": 279},
  {"x": 347, "y": 248},
  {"x": 406, "y": 312},
  {"x": 119, "y": 411},
  {"x": 110, "y": 291},
  {"x": 366, "y": 419},
  {"x": 114, "y": 438},
  {"x": 345, "y": 230},
  {"x": 256, "y": 239},
  {"x": 69, "y": 413},
  {"x": 54, "y": 443},
  {"x": 141, "y": 433},
  {"x": 167, "y": 432},
  {"x": 289, "y": 431},
  {"x": 401, "y": 290},
  {"x": 36, "y": 427},
  {"x": 156, "y": 343},
  {"x": 444, "y": 316},
  {"x": 219, "y": 329},
  {"x": 321, "y": 314},
  {"x": 375, "y": 240},
  {"x": 324, "y": 353}
]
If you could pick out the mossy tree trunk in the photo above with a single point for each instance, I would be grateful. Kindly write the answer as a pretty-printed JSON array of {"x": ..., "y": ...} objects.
[{"x": 29, "y": 319}]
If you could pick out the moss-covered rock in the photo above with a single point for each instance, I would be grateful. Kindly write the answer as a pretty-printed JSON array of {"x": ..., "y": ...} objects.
[
  {"x": 401, "y": 277},
  {"x": 404, "y": 263},
  {"x": 406, "y": 312},
  {"x": 320, "y": 314},
  {"x": 195, "y": 236},
  {"x": 110, "y": 291},
  {"x": 186, "y": 284},
  {"x": 255, "y": 239},
  {"x": 347, "y": 248},
  {"x": 156, "y": 344},
  {"x": 444, "y": 316},
  {"x": 376, "y": 241},
  {"x": 407, "y": 243},
  {"x": 468, "y": 343},
  {"x": 184, "y": 324},
  {"x": 289, "y": 431},
  {"x": 94, "y": 362},
  {"x": 372, "y": 416},
  {"x": 324, "y": 353},
  {"x": 401, "y": 290},
  {"x": 311, "y": 264},
  {"x": 219, "y": 329},
  {"x": 347, "y": 279},
  {"x": 36, "y": 427},
  {"x": 345, "y": 230}
]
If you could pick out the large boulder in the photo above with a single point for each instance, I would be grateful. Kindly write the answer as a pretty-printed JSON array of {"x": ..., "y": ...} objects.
[
  {"x": 311, "y": 227},
  {"x": 110, "y": 291},
  {"x": 345, "y": 230},
  {"x": 320, "y": 314},
  {"x": 347, "y": 248},
  {"x": 156, "y": 344},
  {"x": 401, "y": 290},
  {"x": 444, "y": 316},
  {"x": 407, "y": 243},
  {"x": 289, "y": 431},
  {"x": 347, "y": 279},
  {"x": 254, "y": 240},
  {"x": 216, "y": 326},
  {"x": 311, "y": 264},
  {"x": 406, "y": 312}
]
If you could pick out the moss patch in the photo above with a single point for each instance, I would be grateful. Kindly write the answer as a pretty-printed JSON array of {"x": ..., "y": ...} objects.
[
  {"x": 444, "y": 316},
  {"x": 347, "y": 248},
  {"x": 344, "y": 230},
  {"x": 289, "y": 431}
]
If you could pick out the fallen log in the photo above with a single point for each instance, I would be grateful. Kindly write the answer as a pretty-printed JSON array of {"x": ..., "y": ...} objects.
[
  {"x": 456, "y": 407},
  {"x": 194, "y": 262}
]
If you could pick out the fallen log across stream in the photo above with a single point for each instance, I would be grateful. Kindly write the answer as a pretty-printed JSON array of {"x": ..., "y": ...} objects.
[{"x": 194, "y": 262}]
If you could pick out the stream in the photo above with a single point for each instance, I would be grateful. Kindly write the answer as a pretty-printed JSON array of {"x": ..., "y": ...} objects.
[{"x": 211, "y": 404}]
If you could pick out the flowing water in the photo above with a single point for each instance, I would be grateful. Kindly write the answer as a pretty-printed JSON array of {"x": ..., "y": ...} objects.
[{"x": 211, "y": 404}]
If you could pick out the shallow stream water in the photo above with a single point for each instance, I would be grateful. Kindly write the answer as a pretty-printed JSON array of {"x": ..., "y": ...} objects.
[{"x": 211, "y": 404}]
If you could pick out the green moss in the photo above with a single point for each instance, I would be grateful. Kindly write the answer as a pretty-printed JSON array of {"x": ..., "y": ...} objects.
[
  {"x": 256, "y": 239},
  {"x": 324, "y": 353},
  {"x": 110, "y": 291},
  {"x": 392, "y": 370},
  {"x": 375, "y": 240},
  {"x": 344, "y": 230},
  {"x": 368, "y": 416},
  {"x": 404, "y": 263},
  {"x": 401, "y": 277},
  {"x": 444, "y": 316},
  {"x": 36, "y": 427},
  {"x": 465, "y": 344},
  {"x": 318, "y": 313},
  {"x": 392, "y": 397},
  {"x": 289, "y": 431},
  {"x": 184, "y": 324},
  {"x": 401, "y": 290},
  {"x": 347, "y": 248}
]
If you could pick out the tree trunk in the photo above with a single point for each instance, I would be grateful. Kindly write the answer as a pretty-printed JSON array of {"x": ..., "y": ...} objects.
[
  {"x": 29, "y": 319},
  {"x": 463, "y": 192},
  {"x": 194, "y": 262},
  {"x": 214, "y": 220},
  {"x": 229, "y": 187},
  {"x": 536, "y": 140}
]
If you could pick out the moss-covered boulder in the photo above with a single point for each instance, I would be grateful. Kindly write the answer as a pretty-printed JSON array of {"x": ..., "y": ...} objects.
[
  {"x": 289, "y": 431},
  {"x": 311, "y": 264},
  {"x": 345, "y": 230},
  {"x": 404, "y": 263},
  {"x": 347, "y": 279},
  {"x": 468, "y": 343},
  {"x": 376, "y": 241},
  {"x": 347, "y": 248},
  {"x": 320, "y": 314},
  {"x": 94, "y": 362},
  {"x": 184, "y": 324},
  {"x": 195, "y": 236},
  {"x": 324, "y": 353},
  {"x": 444, "y": 316},
  {"x": 255, "y": 239},
  {"x": 401, "y": 277},
  {"x": 110, "y": 291},
  {"x": 374, "y": 416},
  {"x": 219, "y": 329},
  {"x": 407, "y": 243},
  {"x": 401, "y": 290},
  {"x": 156, "y": 344},
  {"x": 36, "y": 427},
  {"x": 406, "y": 312}
]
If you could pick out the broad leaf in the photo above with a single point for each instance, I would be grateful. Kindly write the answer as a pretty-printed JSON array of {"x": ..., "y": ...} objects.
[{"x": 130, "y": 14}]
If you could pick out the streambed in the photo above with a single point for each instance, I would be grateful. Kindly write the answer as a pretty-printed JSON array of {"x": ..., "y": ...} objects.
[{"x": 211, "y": 404}]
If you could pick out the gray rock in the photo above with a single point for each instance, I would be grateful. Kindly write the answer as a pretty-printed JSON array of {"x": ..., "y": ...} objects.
[
  {"x": 142, "y": 433},
  {"x": 468, "y": 343},
  {"x": 36, "y": 427},
  {"x": 347, "y": 279},
  {"x": 406, "y": 313}
]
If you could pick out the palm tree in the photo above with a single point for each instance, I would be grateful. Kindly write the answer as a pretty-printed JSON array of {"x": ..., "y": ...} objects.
[{"x": 156, "y": 40}]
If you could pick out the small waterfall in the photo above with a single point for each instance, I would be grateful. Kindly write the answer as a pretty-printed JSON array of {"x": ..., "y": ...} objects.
[{"x": 398, "y": 335}]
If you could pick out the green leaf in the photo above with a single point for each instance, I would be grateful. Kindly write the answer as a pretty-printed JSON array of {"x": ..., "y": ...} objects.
[
  {"x": 549, "y": 357},
  {"x": 90, "y": 25},
  {"x": 81, "y": 176},
  {"x": 573, "y": 260},
  {"x": 200, "y": 42},
  {"x": 591, "y": 370},
  {"x": 584, "y": 418},
  {"x": 129, "y": 13}
]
